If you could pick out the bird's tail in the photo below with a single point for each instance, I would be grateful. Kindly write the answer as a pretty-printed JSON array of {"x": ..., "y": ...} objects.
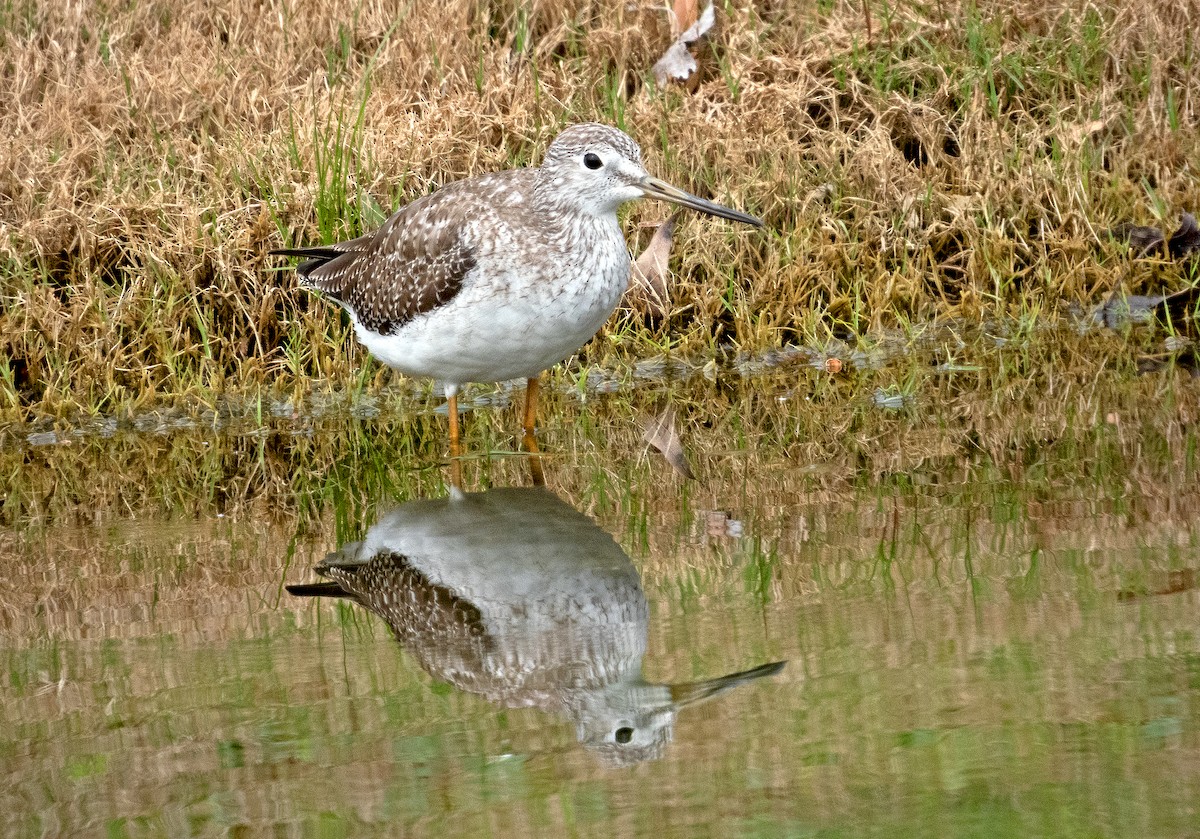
[
  {"x": 329, "y": 589},
  {"x": 315, "y": 252}
]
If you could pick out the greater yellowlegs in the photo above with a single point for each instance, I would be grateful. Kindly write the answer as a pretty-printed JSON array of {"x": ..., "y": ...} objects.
[
  {"x": 499, "y": 276},
  {"x": 514, "y": 595}
]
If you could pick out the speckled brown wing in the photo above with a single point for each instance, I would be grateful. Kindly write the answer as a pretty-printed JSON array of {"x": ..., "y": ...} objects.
[
  {"x": 413, "y": 605},
  {"x": 415, "y": 262}
]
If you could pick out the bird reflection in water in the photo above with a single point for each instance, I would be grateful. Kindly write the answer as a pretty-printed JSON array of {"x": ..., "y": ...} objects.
[{"x": 514, "y": 595}]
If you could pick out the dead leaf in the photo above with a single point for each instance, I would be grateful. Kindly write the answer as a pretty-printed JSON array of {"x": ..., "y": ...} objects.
[
  {"x": 648, "y": 279},
  {"x": 719, "y": 523},
  {"x": 662, "y": 435},
  {"x": 678, "y": 64},
  {"x": 683, "y": 15},
  {"x": 1076, "y": 134}
]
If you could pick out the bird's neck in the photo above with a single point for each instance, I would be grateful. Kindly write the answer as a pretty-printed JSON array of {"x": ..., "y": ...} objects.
[{"x": 562, "y": 206}]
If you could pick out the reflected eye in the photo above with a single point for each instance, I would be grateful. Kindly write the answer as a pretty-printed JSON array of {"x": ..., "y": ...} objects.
[
  {"x": 592, "y": 160},
  {"x": 624, "y": 735}
]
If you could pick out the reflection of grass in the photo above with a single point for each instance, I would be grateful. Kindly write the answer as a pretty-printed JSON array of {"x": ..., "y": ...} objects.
[
  {"x": 1047, "y": 700},
  {"x": 86, "y": 766},
  {"x": 962, "y": 162}
]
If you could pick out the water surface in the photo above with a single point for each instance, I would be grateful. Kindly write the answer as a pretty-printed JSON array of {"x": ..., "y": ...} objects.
[{"x": 976, "y": 640}]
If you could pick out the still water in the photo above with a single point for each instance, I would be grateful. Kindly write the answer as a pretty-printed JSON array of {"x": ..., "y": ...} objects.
[{"x": 939, "y": 657}]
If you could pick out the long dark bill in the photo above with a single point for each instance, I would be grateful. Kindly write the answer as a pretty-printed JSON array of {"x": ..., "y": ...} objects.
[
  {"x": 654, "y": 188},
  {"x": 694, "y": 692}
]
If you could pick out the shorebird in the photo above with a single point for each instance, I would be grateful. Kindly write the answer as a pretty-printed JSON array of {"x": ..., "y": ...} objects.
[
  {"x": 516, "y": 596},
  {"x": 498, "y": 276}
]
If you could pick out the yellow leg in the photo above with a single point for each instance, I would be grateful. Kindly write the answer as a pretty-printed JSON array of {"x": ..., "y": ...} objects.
[
  {"x": 528, "y": 427},
  {"x": 455, "y": 445},
  {"x": 452, "y": 407},
  {"x": 531, "y": 395}
]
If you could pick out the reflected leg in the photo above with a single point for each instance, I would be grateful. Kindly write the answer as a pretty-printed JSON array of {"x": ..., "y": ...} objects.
[
  {"x": 528, "y": 440},
  {"x": 455, "y": 444}
]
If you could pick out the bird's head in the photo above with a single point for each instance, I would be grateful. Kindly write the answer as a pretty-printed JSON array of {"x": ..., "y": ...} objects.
[{"x": 596, "y": 168}]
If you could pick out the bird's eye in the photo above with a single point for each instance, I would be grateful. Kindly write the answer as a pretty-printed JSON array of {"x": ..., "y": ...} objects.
[
  {"x": 624, "y": 734},
  {"x": 592, "y": 160}
]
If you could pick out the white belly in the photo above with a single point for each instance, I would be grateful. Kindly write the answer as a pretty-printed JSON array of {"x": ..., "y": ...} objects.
[{"x": 492, "y": 333}]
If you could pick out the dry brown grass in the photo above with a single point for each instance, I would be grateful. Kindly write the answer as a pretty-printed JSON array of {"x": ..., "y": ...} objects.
[{"x": 963, "y": 162}]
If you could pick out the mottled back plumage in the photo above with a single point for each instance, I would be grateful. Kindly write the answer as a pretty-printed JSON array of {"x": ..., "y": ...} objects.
[{"x": 416, "y": 261}]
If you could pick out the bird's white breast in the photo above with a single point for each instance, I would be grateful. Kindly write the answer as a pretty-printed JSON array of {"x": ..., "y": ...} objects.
[{"x": 534, "y": 297}]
